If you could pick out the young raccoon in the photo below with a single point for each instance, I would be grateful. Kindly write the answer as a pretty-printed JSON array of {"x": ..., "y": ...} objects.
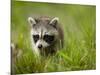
[{"x": 46, "y": 35}]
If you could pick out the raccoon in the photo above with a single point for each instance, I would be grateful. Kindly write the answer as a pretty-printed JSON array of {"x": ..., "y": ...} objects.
[{"x": 46, "y": 35}]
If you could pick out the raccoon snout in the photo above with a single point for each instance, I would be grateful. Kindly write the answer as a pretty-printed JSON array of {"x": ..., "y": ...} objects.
[{"x": 40, "y": 46}]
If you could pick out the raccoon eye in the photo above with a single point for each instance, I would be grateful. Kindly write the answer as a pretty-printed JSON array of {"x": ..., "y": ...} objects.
[
  {"x": 48, "y": 38},
  {"x": 36, "y": 38}
]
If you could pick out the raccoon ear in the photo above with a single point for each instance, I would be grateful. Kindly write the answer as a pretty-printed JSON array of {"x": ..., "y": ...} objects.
[
  {"x": 31, "y": 21},
  {"x": 54, "y": 21}
]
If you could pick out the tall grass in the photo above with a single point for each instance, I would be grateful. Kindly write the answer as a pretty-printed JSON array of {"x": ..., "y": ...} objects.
[{"x": 78, "y": 23}]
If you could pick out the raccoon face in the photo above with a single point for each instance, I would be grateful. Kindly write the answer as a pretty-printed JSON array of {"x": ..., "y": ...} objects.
[{"x": 43, "y": 32}]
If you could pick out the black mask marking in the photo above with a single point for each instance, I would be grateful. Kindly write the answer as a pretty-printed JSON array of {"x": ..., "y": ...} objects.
[
  {"x": 36, "y": 38},
  {"x": 48, "y": 38}
]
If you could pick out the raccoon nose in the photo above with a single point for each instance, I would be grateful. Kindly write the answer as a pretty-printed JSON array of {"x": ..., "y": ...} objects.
[{"x": 39, "y": 46}]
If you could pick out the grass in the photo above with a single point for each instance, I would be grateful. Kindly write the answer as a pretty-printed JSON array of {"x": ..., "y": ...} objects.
[{"x": 78, "y": 22}]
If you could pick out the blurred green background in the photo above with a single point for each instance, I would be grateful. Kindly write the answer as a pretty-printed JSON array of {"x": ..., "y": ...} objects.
[{"x": 79, "y": 25}]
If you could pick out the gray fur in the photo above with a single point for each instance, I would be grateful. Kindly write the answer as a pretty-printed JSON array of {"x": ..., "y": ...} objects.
[{"x": 46, "y": 26}]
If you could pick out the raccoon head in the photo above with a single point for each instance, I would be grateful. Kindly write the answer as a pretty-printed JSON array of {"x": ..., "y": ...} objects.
[{"x": 43, "y": 31}]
